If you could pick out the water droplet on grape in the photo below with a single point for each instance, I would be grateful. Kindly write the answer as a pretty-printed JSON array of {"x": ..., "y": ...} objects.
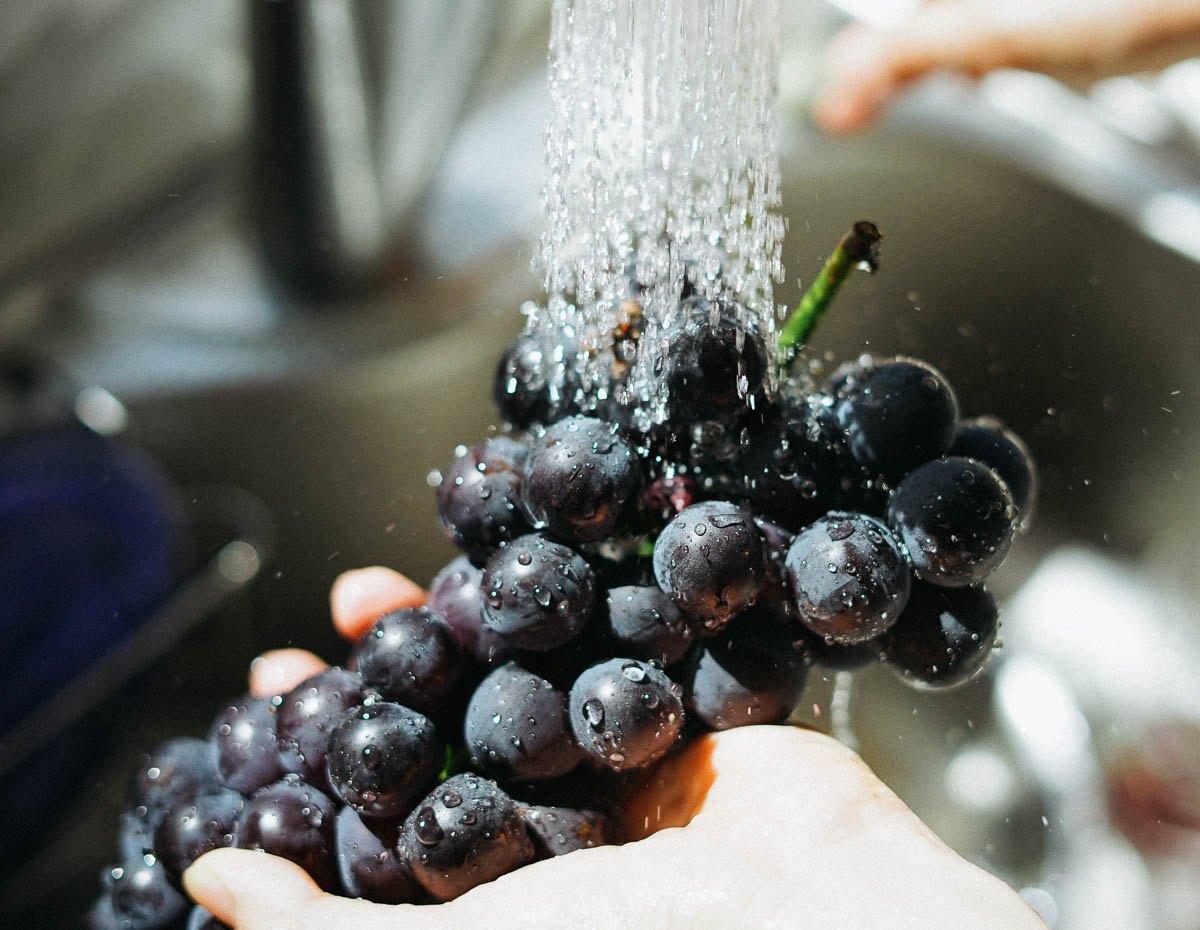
[
  {"x": 426, "y": 828},
  {"x": 593, "y": 712}
]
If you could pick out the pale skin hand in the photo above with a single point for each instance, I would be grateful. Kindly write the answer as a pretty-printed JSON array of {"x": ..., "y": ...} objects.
[
  {"x": 1075, "y": 39},
  {"x": 755, "y": 827}
]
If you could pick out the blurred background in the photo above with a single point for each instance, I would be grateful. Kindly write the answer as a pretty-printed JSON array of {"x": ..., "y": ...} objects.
[{"x": 258, "y": 260}]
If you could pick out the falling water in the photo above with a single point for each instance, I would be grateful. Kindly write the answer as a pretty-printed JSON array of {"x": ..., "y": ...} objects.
[{"x": 661, "y": 163}]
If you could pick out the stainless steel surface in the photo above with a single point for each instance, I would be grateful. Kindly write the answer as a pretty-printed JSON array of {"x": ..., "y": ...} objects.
[
  {"x": 1013, "y": 259},
  {"x": 347, "y": 134}
]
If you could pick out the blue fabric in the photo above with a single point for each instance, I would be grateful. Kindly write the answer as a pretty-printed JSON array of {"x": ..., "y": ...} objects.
[{"x": 89, "y": 540}]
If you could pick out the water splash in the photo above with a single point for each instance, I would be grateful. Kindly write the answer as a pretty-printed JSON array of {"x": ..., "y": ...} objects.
[{"x": 662, "y": 169}]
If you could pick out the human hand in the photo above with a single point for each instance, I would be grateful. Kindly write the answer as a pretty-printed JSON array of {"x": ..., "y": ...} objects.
[
  {"x": 867, "y": 68},
  {"x": 767, "y": 826}
]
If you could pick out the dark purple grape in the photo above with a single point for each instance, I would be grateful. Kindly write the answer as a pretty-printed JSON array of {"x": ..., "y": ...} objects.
[
  {"x": 709, "y": 560},
  {"x": 836, "y": 656},
  {"x": 368, "y": 861},
  {"x": 647, "y": 624},
  {"x": 556, "y": 831},
  {"x": 850, "y": 577},
  {"x": 846, "y": 374},
  {"x": 411, "y": 657},
  {"x": 141, "y": 896},
  {"x": 516, "y": 727},
  {"x": 245, "y": 741},
  {"x": 897, "y": 414},
  {"x": 991, "y": 442},
  {"x": 201, "y": 919},
  {"x": 536, "y": 381},
  {"x": 456, "y": 595},
  {"x": 669, "y": 496},
  {"x": 715, "y": 367},
  {"x": 537, "y": 594},
  {"x": 956, "y": 518},
  {"x": 775, "y": 597},
  {"x": 383, "y": 757},
  {"x": 944, "y": 636},
  {"x": 750, "y": 673},
  {"x": 194, "y": 827},
  {"x": 625, "y": 713},
  {"x": 797, "y": 465},
  {"x": 478, "y": 498},
  {"x": 174, "y": 771},
  {"x": 464, "y": 833},
  {"x": 307, "y": 714},
  {"x": 102, "y": 915},
  {"x": 294, "y": 820},
  {"x": 135, "y": 834},
  {"x": 580, "y": 479}
]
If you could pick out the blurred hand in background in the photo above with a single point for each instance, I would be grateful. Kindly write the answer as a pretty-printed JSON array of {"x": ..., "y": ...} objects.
[{"x": 866, "y": 68}]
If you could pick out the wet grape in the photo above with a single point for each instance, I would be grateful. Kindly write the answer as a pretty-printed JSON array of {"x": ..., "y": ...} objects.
[
  {"x": 294, "y": 820},
  {"x": 797, "y": 465},
  {"x": 516, "y": 727},
  {"x": 995, "y": 445},
  {"x": 714, "y": 366},
  {"x": 897, "y": 414},
  {"x": 382, "y": 757},
  {"x": 467, "y": 831},
  {"x": 174, "y": 771},
  {"x": 536, "y": 382},
  {"x": 556, "y": 831},
  {"x": 410, "y": 656},
  {"x": 306, "y": 716},
  {"x": 139, "y": 895},
  {"x": 581, "y": 479},
  {"x": 625, "y": 713},
  {"x": 943, "y": 637},
  {"x": 647, "y": 624},
  {"x": 245, "y": 741},
  {"x": 537, "y": 594},
  {"x": 478, "y": 498},
  {"x": 369, "y": 863},
  {"x": 752, "y": 672},
  {"x": 850, "y": 577},
  {"x": 709, "y": 559},
  {"x": 194, "y": 827},
  {"x": 956, "y": 519}
]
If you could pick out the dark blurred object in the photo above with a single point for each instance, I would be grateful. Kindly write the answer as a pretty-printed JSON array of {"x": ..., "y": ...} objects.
[
  {"x": 98, "y": 560},
  {"x": 353, "y": 107},
  {"x": 90, "y": 537}
]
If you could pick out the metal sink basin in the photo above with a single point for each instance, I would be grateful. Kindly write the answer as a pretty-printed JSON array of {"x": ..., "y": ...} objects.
[{"x": 1043, "y": 309}]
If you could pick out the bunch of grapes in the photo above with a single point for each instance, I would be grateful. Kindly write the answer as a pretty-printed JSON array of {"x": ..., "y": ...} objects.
[{"x": 619, "y": 592}]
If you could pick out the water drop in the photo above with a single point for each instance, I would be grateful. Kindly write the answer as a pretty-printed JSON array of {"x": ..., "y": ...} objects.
[
  {"x": 593, "y": 712},
  {"x": 426, "y": 828}
]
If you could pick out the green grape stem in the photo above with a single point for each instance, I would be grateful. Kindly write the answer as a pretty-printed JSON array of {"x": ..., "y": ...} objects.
[
  {"x": 858, "y": 248},
  {"x": 457, "y": 760}
]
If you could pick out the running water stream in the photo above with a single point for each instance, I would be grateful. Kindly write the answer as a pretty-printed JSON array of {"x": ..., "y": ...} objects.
[{"x": 661, "y": 163}]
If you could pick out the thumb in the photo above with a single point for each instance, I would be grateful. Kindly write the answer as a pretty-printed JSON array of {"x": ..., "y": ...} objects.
[{"x": 251, "y": 890}]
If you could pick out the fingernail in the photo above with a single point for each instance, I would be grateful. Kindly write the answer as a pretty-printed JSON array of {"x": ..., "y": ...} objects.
[
  {"x": 266, "y": 675},
  {"x": 204, "y": 882}
]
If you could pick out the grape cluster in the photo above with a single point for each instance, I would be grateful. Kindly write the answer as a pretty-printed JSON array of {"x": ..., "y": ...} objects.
[{"x": 619, "y": 591}]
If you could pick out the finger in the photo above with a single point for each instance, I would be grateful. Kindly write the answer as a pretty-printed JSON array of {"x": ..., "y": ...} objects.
[
  {"x": 358, "y": 597},
  {"x": 250, "y": 890},
  {"x": 857, "y": 81},
  {"x": 866, "y": 67},
  {"x": 281, "y": 670}
]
